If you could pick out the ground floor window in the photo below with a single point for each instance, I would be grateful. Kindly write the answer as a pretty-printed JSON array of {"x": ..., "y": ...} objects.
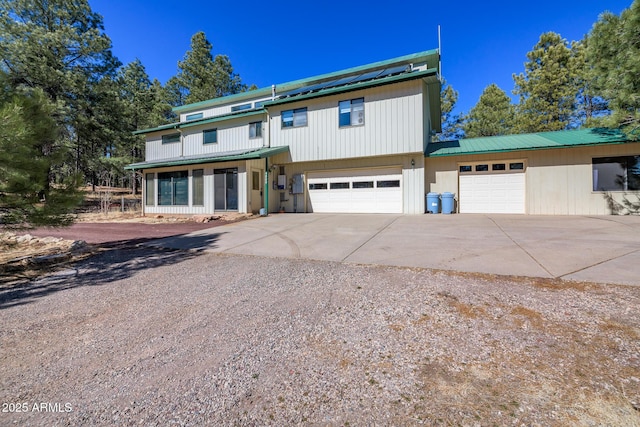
[
  {"x": 197, "y": 177},
  {"x": 616, "y": 173},
  {"x": 173, "y": 188},
  {"x": 149, "y": 193}
]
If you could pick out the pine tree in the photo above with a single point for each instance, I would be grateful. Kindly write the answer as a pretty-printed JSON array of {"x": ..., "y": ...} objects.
[
  {"x": 451, "y": 123},
  {"x": 492, "y": 115},
  {"x": 60, "y": 47},
  {"x": 613, "y": 52},
  {"x": 201, "y": 77},
  {"x": 547, "y": 87},
  {"x": 26, "y": 157}
]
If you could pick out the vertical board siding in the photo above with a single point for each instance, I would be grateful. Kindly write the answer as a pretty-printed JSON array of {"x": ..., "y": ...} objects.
[
  {"x": 156, "y": 150},
  {"x": 230, "y": 138},
  {"x": 558, "y": 182},
  {"x": 232, "y": 135},
  {"x": 208, "y": 207},
  {"x": 393, "y": 125},
  {"x": 412, "y": 178}
]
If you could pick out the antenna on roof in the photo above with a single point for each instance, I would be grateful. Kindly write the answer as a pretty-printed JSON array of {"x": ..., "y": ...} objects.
[{"x": 439, "y": 54}]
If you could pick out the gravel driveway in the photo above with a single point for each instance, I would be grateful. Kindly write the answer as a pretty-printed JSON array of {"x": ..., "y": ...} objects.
[{"x": 145, "y": 336}]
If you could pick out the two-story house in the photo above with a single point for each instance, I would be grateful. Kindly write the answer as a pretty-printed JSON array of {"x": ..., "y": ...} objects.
[{"x": 348, "y": 141}]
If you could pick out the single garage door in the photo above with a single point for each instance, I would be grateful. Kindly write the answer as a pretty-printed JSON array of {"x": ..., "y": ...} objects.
[
  {"x": 356, "y": 191},
  {"x": 492, "y": 187}
]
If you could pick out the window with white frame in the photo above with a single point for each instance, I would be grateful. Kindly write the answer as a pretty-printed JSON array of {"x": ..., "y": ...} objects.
[
  {"x": 351, "y": 112},
  {"x": 294, "y": 118},
  {"x": 194, "y": 116},
  {"x": 150, "y": 195},
  {"x": 197, "y": 178},
  {"x": 255, "y": 130},
  {"x": 173, "y": 188}
]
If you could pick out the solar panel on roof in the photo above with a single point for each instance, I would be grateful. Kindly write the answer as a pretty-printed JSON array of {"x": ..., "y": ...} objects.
[{"x": 376, "y": 74}]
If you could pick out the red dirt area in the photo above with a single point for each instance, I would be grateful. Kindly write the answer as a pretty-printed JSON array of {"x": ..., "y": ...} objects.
[{"x": 111, "y": 232}]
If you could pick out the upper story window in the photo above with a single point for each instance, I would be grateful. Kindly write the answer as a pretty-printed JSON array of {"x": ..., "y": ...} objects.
[
  {"x": 259, "y": 104},
  {"x": 351, "y": 112},
  {"x": 173, "y": 137},
  {"x": 294, "y": 118},
  {"x": 210, "y": 136},
  {"x": 255, "y": 130},
  {"x": 241, "y": 107},
  {"x": 616, "y": 173},
  {"x": 194, "y": 116}
]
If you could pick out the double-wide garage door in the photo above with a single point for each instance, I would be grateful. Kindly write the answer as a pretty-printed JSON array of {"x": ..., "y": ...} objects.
[
  {"x": 492, "y": 187},
  {"x": 356, "y": 191}
]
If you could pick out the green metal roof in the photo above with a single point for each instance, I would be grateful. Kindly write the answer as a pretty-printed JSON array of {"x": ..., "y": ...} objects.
[
  {"x": 529, "y": 141},
  {"x": 431, "y": 57},
  {"x": 259, "y": 153},
  {"x": 432, "y": 72},
  {"x": 204, "y": 121}
]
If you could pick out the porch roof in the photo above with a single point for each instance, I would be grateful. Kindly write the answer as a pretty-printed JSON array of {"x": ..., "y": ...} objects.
[{"x": 251, "y": 154}]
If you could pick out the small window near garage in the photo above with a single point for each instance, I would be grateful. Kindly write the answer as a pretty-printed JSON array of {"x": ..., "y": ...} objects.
[
  {"x": 616, "y": 173},
  {"x": 255, "y": 130},
  {"x": 339, "y": 185},
  {"x": 517, "y": 166},
  {"x": 351, "y": 112},
  {"x": 198, "y": 187},
  {"x": 363, "y": 184},
  {"x": 210, "y": 136},
  {"x": 393, "y": 183},
  {"x": 194, "y": 116},
  {"x": 466, "y": 168},
  {"x": 173, "y": 137},
  {"x": 149, "y": 193},
  {"x": 319, "y": 186},
  {"x": 482, "y": 168},
  {"x": 498, "y": 167}
]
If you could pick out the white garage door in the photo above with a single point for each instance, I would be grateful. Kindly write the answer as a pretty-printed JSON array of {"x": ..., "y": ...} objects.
[
  {"x": 356, "y": 191},
  {"x": 492, "y": 187}
]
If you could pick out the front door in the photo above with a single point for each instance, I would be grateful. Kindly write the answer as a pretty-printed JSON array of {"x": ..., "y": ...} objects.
[
  {"x": 257, "y": 199},
  {"x": 225, "y": 188}
]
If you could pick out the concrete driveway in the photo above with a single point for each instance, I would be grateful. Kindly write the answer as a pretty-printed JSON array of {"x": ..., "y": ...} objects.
[{"x": 603, "y": 249}]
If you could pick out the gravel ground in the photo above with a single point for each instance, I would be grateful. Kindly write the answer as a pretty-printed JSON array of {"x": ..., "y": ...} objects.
[{"x": 144, "y": 336}]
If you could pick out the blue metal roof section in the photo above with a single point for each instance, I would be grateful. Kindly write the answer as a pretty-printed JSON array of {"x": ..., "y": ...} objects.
[{"x": 529, "y": 141}]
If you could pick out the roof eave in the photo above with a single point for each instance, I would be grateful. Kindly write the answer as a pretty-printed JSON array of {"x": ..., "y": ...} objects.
[{"x": 249, "y": 155}]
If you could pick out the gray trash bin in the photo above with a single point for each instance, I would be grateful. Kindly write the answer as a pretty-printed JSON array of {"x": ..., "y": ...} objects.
[
  {"x": 447, "y": 203},
  {"x": 433, "y": 203}
]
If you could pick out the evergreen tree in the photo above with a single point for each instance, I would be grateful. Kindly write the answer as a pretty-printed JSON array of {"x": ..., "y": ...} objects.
[
  {"x": 613, "y": 53},
  {"x": 60, "y": 47},
  {"x": 591, "y": 109},
  {"x": 451, "y": 123},
  {"x": 547, "y": 86},
  {"x": 201, "y": 77},
  {"x": 26, "y": 157},
  {"x": 492, "y": 115}
]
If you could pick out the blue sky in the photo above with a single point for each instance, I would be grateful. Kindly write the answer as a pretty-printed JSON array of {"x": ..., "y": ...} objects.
[{"x": 276, "y": 42}]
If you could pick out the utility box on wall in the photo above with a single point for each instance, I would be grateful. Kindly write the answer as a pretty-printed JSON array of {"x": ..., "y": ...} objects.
[{"x": 297, "y": 185}]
